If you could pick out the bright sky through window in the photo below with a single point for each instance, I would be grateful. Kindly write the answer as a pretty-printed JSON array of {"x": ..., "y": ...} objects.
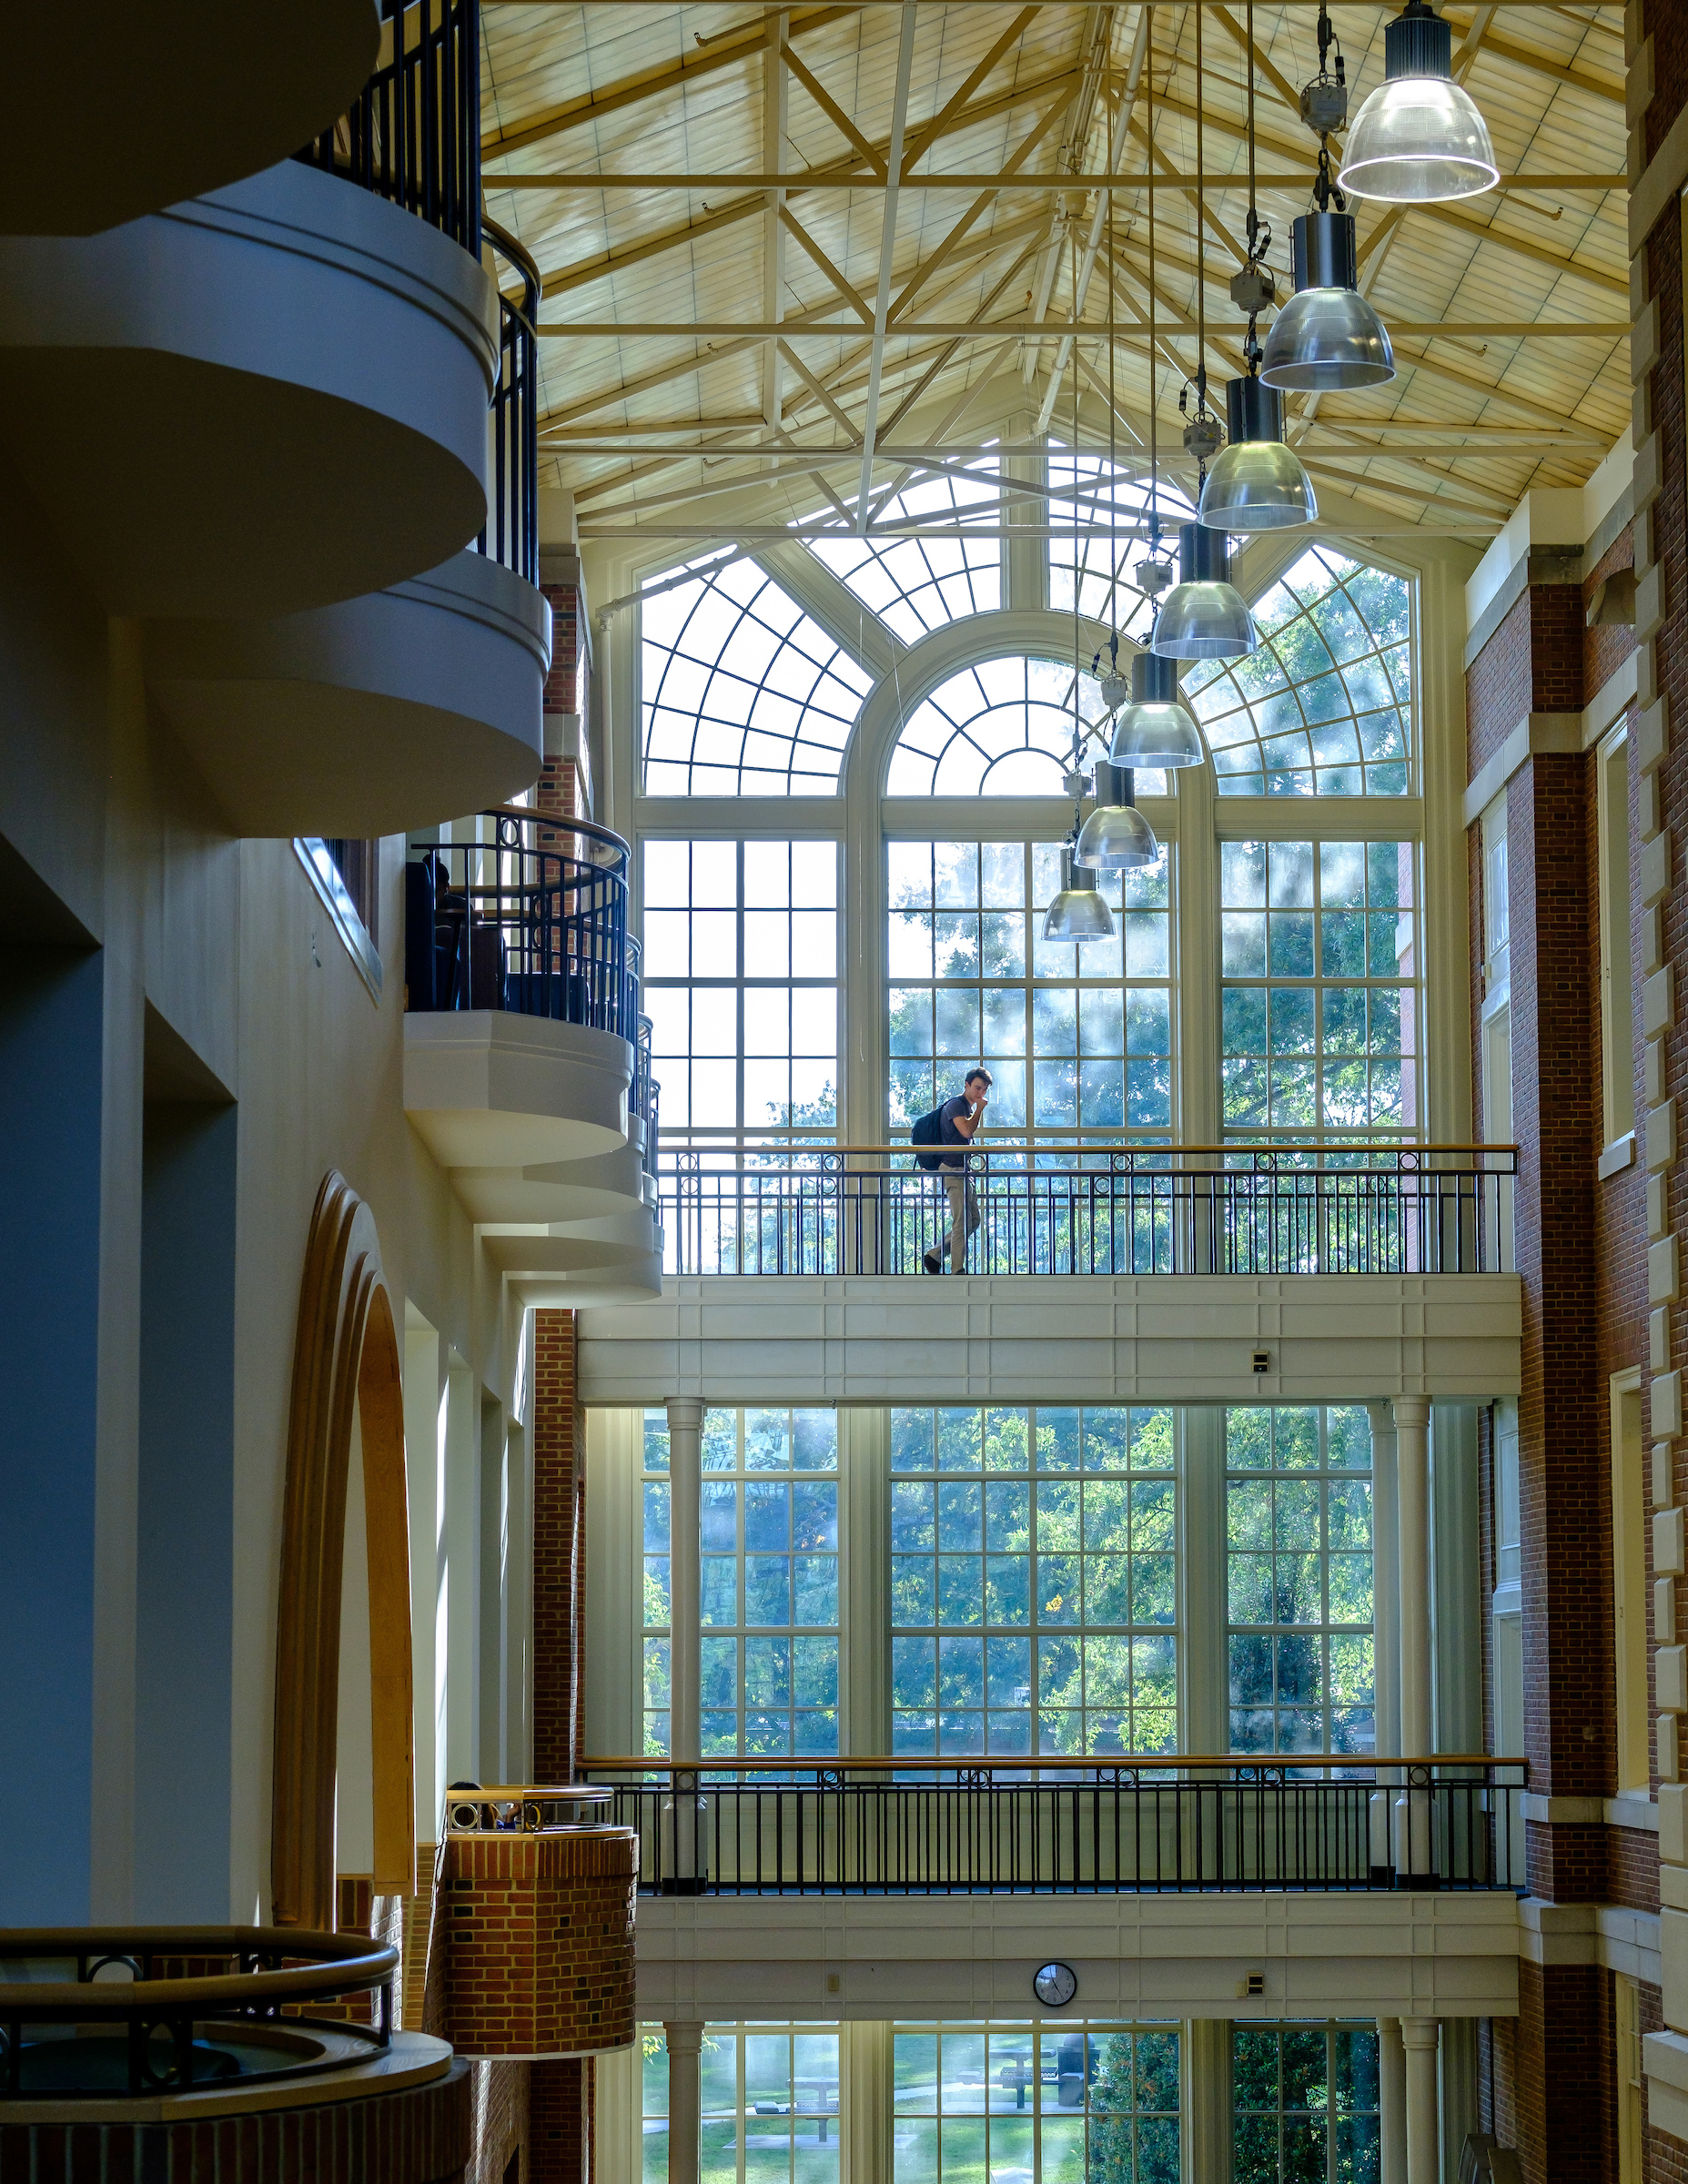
[{"x": 743, "y": 695}]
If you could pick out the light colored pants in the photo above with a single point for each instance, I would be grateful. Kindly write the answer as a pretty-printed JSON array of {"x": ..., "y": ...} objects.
[{"x": 964, "y": 1217}]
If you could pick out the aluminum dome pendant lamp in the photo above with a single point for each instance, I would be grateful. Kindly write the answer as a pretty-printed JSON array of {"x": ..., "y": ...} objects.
[
  {"x": 1116, "y": 836},
  {"x": 1419, "y": 139},
  {"x": 1203, "y": 616},
  {"x": 1157, "y": 729},
  {"x": 1077, "y": 913},
  {"x": 1327, "y": 337},
  {"x": 1256, "y": 483}
]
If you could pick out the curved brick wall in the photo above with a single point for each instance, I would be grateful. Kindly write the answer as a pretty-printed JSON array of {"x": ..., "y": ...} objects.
[
  {"x": 538, "y": 1940},
  {"x": 416, "y": 2135}
]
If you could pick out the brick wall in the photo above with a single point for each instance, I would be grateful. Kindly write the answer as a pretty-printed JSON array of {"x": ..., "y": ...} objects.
[
  {"x": 561, "y": 2118},
  {"x": 1568, "y": 2104},
  {"x": 416, "y": 2135},
  {"x": 1606, "y": 645},
  {"x": 1498, "y": 687},
  {"x": 499, "y": 2108},
  {"x": 559, "y": 1531},
  {"x": 539, "y": 1942}
]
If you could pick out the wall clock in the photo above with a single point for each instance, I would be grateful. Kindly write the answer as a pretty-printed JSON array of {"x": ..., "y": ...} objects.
[{"x": 1055, "y": 1985}]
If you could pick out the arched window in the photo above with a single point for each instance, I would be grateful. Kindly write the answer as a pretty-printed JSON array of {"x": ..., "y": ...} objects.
[
  {"x": 1324, "y": 707},
  {"x": 913, "y": 585},
  {"x": 1003, "y": 727},
  {"x": 744, "y": 694}
]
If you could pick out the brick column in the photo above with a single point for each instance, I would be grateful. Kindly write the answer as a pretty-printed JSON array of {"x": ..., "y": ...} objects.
[{"x": 561, "y": 2093}]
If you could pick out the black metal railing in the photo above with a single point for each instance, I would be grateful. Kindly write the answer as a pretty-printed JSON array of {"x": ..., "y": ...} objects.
[
  {"x": 512, "y": 530},
  {"x": 1088, "y": 1209},
  {"x": 114, "y": 2011},
  {"x": 533, "y": 920},
  {"x": 1126, "y": 1825},
  {"x": 646, "y": 1092},
  {"x": 413, "y": 133}
]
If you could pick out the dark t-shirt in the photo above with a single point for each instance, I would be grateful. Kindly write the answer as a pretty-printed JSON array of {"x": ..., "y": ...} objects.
[{"x": 946, "y": 1123}]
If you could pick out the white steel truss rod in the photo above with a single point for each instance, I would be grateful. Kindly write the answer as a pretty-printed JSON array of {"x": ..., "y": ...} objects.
[{"x": 887, "y": 252}]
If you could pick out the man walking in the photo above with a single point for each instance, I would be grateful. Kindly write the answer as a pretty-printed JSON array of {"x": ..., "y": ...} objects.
[{"x": 958, "y": 1119}]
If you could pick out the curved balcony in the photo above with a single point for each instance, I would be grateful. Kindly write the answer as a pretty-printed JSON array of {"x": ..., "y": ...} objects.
[
  {"x": 169, "y": 102},
  {"x": 374, "y": 717},
  {"x": 261, "y": 400},
  {"x": 132, "y": 2040},
  {"x": 527, "y": 1062}
]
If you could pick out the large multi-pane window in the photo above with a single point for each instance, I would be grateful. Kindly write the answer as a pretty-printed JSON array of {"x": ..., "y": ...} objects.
[
  {"x": 742, "y": 693},
  {"x": 655, "y": 1609},
  {"x": 1320, "y": 989},
  {"x": 1323, "y": 706},
  {"x": 917, "y": 584},
  {"x": 1305, "y": 2104},
  {"x": 1298, "y": 1524},
  {"x": 1061, "y": 2103},
  {"x": 769, "y": 2103},
  {"x": 1075, "y": 1039},
  {"x": 1033, "y": 1581},
  {"x": 741, "y": 984},
  {"x": 768, "y": 1570}
]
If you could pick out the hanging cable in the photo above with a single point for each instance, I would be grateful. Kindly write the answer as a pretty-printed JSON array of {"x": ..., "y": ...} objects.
[
  {"x": 1202, "y": 436},
  {"x": 1253, "y": 287},
  {"x": 1324, "y": 109}
]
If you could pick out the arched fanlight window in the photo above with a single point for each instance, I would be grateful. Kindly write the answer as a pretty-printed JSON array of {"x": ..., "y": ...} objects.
[
  {"x": 1324, "y": 707},
  {"x": 917, "y": 584},
  {"x": 1003, "y": 727},
  {"x": 743, "y": 695}
]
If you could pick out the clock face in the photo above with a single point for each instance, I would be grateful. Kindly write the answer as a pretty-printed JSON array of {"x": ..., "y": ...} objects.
[{"x": 1055, "y": 1985}]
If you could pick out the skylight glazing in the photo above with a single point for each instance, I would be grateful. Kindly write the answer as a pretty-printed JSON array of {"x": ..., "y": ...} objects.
[
  {"x": 1003, "y": 727},
  {"x": 1082, "y": 548}
]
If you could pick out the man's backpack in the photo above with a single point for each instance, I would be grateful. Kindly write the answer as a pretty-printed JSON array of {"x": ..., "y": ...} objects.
[{"x": 928, "y": 1129}]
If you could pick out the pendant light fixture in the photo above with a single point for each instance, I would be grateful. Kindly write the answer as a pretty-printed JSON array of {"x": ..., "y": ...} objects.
[
  {"x": 1077, "y": 913},
  {"x": 1327, "y": 337},
  {"x": 1203, "y": 616},
  {"x": 1419, "y": 139},
  {"x": 1157, "y": 729},
  {"x": 1115, "y": 835},
  {"x": 1258, "y": 482}
]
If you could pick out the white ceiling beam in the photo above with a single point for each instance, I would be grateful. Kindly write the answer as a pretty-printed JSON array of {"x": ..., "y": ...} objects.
[
  {"x": 888, "y": 249},
  {"x": 1024, "y": 329},
  {"x": 776, "y": 96}
]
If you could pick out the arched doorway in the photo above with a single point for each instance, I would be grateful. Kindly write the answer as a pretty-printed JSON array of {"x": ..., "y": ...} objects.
[{"x": 345, "y": 1358}]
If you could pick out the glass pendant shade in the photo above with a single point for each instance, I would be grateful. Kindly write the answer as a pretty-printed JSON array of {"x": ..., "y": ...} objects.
[
  {"x": 1327, "y": 337},
  {"x": 1115, "y": 835},
  {"x": 1419, "y": 139},
  {"x": 1157, "y": 729},
  {"x": 1078, "y": 912},
  {"x": 1203, "y": 616},
  {"x": 1256, "y": 483}
]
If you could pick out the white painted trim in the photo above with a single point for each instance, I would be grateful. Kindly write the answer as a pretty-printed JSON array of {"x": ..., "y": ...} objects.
[
  {"x": 1609, "y": 1935},
  {"x": 1617, "y": 1157},
  {"x": 1633, "y": 1808},
  {"x": 1563, "y": 1812}
]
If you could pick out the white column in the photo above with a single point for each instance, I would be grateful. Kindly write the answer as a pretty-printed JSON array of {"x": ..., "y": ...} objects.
[
  {"x": 1208, "y": 2099},
  {"x": 865, "y": 1492},
  {"x": 685, "y": 1462},
  {"x": 1207, "y": 1715},
  {"x": 1392, "y": 2103},
  {"x": 1423, "y": 2136},
  {"x": 866, "y": 2072},
  {"x": 685, "y": 2045},
  {"x": 1386, "y": 1631},
  {"x": 1412, "y": 1460}
]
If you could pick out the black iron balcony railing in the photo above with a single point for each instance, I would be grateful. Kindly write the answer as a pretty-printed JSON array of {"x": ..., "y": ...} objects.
[
  {"x": 513, "y": 532},
  {"x": 1098, "y": 1825},
  {"x": 413, "y": 134},
  {"x": 531, "y": 920},
  {"x": 122, "y": 2011},
  {"x": 1090, "y": 1209}
]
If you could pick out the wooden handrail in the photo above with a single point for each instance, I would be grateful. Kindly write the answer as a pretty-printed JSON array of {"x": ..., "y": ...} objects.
[
  {"x": 348, "y": 1964},
  {"x": 683, "y": 1138}
]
